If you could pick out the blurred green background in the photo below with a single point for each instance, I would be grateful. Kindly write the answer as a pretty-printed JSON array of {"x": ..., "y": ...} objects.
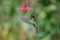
[{"x": 46, "y": 15}]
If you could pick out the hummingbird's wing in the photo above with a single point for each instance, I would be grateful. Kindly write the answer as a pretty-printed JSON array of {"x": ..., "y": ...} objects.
[{"x": 26, "y": 20}]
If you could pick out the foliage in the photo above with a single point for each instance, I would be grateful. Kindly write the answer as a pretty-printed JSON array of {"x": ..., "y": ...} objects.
[{"x": 46, "y": 15}]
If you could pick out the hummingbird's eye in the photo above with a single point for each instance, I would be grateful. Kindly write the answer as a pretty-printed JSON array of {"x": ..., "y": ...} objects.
[{"x": 32, "y": 16}]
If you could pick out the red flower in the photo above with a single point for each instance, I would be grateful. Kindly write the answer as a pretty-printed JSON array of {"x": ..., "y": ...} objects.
[{"x": 25, "y": 8}]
